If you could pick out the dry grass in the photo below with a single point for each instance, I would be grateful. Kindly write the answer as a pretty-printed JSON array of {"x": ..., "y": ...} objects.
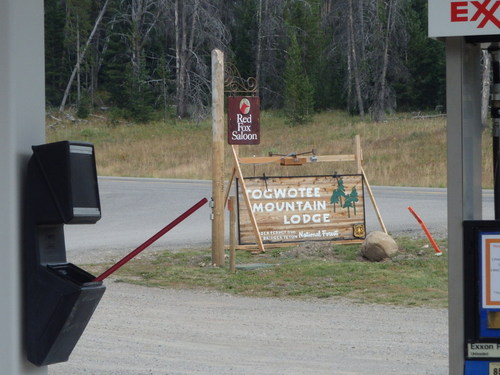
[{"x": 400, "y": 151}]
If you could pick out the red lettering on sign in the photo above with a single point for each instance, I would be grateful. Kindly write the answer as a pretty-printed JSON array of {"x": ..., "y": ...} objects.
[
  {"x": 488, "y": 13},
  {"x": 459, "y": 11},
  {"x": 487, "y": 8}
]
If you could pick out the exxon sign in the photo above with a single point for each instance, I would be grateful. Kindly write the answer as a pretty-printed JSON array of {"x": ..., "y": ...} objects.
[{"x": 464, "y": 18}]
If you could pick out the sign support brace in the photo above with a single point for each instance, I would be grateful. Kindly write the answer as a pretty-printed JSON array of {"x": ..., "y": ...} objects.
[{"x": 356, "y": 157}]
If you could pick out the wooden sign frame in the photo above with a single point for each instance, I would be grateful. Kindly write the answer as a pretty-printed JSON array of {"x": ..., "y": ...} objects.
[{"x": 357, "y": 157}]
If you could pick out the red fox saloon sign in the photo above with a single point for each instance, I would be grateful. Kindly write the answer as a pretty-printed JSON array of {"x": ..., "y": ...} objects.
[
  {"x": 464, "y": 18},
  {"x": 244, "y": 120}
]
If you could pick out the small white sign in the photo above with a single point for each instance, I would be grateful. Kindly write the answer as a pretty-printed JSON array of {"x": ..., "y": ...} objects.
[
  {"x": 490, "y": 267},
  {"x": 483, "y": 350},
  {"x": 463, "y": 17},
  {"x": 494, "y": 368}
]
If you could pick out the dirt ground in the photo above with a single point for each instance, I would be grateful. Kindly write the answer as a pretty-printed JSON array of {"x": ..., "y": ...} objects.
[{"x": 150, "y": 331}]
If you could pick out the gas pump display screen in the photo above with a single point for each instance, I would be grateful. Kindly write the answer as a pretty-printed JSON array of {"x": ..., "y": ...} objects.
[
  {"x": 481, "y": 292},
  {"x": 490, "y": 272},
  {"x": 84, "y": 181},
  {"x": 490, "y": 284}
]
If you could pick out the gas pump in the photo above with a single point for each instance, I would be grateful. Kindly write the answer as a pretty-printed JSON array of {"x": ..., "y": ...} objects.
[
  {"x": 59, "y": 297},
  {"x": 467, "y": 28},
  {"x": 481, "y": 258},
  {"x": 494, "y": 51},
  {"x": 482, "y": 297}
]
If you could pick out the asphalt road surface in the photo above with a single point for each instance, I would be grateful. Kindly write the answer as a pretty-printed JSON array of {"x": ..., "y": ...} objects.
[
  {"x": 135, "y": 209},
  {"x": 139, "y": 331}
]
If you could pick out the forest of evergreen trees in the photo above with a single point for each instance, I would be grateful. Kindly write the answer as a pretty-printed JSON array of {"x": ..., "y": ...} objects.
[{"x": 147, "y": 58}]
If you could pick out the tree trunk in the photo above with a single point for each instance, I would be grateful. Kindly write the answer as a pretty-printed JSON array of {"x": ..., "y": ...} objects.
[
  {"x": 258, "y": 60},
  {"x": 355, "y": 66},
  {"x": 82, "y": 55},
  {"x": 180, "y": 54},
  {"x": 379, "y": 106},
  {"x": 362, "y": 32},
  {"x": 485, "y": 99},
  {"x": 350, "y": 101},
  {"x": 79, "y": 94}
]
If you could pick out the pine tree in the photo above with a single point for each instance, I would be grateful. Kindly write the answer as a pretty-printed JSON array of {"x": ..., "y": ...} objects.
[
  {"x": 125, "y": 72},
  {"x": 55, "y": 76},
  {"x": 366, "y": 56},
  {"x": 424, "y": 86},
  {"x": 304, "y": 18},
  {"x": 114, "y": 69},
  {"x": 243, "y": 42},
  {"x": 299, "y": 93}
]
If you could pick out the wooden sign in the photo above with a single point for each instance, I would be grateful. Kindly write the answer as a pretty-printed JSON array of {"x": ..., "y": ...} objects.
[
  {"x": 243, "y": 114},
  {"x": 296, "y": 209}
]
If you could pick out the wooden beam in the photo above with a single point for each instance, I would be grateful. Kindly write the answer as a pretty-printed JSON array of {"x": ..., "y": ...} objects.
[
  {"x": 255, "y": 227},
  {"x": 228, "y": 188},
  {"x": 374, "y": 203},
  {"x": 278, "y": 159},
  {"x": 254, "y": 247},
  {"x": 334, "y": 158},
  {"x": 293, "y": 161},
  {"x": 260, "y": 160},
  {"x": 357, "y": 157},
  {"x": 232, "y": 234}
]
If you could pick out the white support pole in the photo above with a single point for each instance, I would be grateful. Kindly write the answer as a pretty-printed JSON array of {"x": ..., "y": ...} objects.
[
  {"x": 463, "y": 77},
  {"x": 22, "y": 117}
]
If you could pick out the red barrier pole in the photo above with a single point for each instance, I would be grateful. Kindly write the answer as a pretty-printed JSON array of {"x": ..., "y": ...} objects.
[
  {"x": 424, "y": 227},
  {"x": 131, "y": 255}
]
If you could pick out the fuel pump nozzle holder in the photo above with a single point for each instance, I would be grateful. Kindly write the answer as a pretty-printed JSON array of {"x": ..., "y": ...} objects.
[{"x": 59, "y": 297}]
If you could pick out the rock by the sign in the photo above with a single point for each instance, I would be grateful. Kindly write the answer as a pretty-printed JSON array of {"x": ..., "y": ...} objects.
[{"x": 378, "y": 246}]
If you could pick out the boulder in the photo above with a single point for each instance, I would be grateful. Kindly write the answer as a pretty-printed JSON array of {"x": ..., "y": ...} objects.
[{"x": 378, "y": 246}]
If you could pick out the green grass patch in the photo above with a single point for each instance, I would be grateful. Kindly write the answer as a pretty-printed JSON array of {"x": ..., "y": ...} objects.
[{"x": 414, "y": 277}]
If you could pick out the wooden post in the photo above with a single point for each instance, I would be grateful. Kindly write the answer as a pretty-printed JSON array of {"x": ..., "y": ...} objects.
[
  {"x": 232, "y": 234},
  {"x": 218, "y": 157},
  {"x": 358, "y": 153}
]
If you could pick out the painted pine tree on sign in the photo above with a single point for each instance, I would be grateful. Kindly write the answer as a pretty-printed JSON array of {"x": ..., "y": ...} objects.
[
  {"x": 350, "y": 201},
  {"x": 338, "y": 194}
]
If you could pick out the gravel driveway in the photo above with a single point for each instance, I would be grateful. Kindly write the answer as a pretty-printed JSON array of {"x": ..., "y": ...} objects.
[{"x": 138, "y": 330}]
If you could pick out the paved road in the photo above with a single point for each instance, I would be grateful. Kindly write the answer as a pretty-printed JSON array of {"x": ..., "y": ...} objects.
[
  {"x": 135, "y": 209},
  {"x": 429, "y": 203}
]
